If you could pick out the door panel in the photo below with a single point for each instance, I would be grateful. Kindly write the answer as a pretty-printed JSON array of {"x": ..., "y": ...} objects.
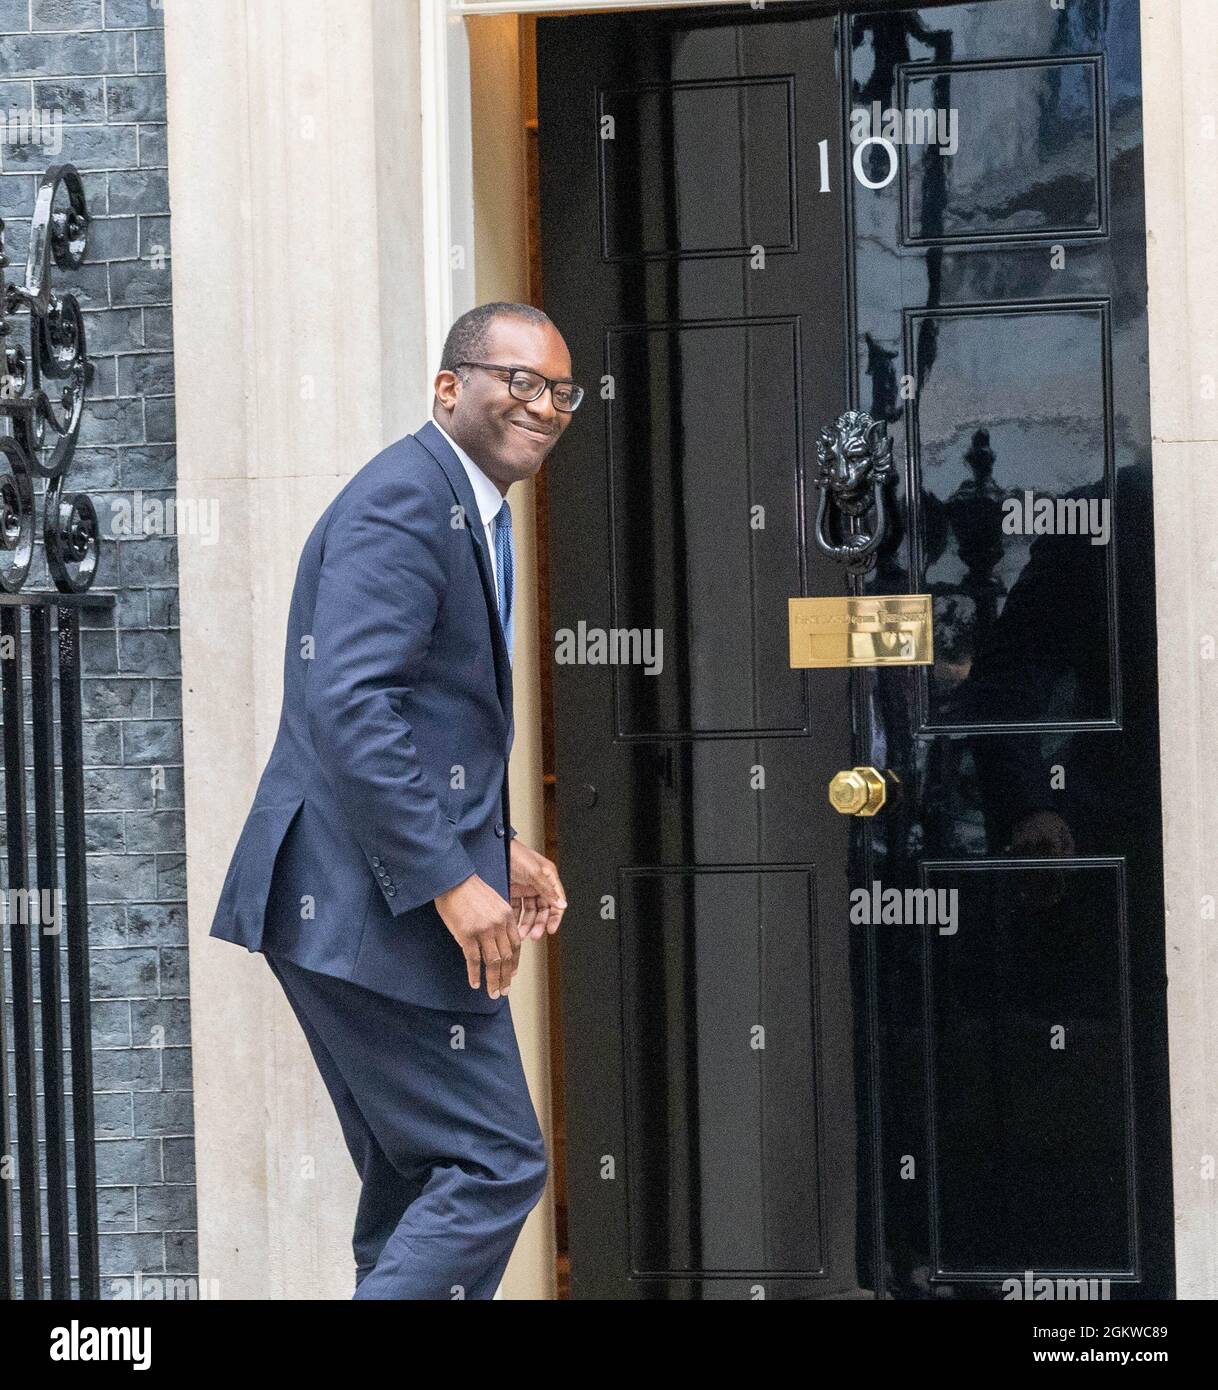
[
  {"x": 766, "y": 1096},
  {"x": 679, "y": 563},
  {"x": 706, "y": 1114},
  {"x": 1022, "y": 1060},
  {"x": 1014, "y": 1131},
  {"x": 709, "y": 1011}
]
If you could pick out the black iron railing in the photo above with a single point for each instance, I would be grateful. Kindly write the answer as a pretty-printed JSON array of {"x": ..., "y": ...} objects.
[{"x": 41, "y": 917}]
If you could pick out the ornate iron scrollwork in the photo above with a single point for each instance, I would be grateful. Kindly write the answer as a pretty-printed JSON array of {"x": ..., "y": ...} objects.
[
  {"x": 854, "y": 464},
  {"x": 44, "y": 430}
]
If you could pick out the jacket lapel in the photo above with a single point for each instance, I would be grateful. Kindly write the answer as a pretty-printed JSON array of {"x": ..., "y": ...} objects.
[{"x": 439, "y": 448}]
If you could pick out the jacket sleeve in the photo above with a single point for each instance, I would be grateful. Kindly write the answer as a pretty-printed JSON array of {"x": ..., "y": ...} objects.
[{"x": 381, "y": 585}]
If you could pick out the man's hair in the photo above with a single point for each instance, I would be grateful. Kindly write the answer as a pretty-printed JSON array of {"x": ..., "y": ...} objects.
[{"x": 467, "y": 337}]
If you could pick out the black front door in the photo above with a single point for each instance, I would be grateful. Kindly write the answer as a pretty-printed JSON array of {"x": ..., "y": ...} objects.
[{"x": 812, "y": 1055}]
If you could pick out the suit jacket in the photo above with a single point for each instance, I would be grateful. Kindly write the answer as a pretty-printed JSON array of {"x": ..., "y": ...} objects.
[{"x": 387, "y": 783}]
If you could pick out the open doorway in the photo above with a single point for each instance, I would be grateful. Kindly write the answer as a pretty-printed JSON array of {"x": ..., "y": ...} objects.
[{"x": 507, "y": 251}]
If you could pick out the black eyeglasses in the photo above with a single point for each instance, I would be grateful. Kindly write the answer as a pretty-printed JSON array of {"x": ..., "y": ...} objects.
[{"x": 527, "y": 386}]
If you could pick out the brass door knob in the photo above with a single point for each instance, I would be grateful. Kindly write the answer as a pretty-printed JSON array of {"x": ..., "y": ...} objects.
[{"x": 861, "y": 791}]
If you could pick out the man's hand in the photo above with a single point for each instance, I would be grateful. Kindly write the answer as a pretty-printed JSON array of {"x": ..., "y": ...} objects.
[
  {"x": 484, "y": 926},
  {"x": 535, "y": 891}
]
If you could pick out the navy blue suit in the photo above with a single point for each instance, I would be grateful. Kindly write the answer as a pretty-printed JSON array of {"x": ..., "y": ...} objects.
[{"x": 387, "y": 785}]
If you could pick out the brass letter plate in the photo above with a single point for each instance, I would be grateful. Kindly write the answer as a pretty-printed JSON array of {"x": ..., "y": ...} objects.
[{"x": 872, "y": 630}]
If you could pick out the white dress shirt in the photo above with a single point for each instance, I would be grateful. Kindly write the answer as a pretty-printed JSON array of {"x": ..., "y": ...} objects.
[{"x": 486, "y": 494}]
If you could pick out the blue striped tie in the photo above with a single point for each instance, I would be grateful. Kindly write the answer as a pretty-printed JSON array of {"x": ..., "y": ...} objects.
[{"x": 505, "y": 573}]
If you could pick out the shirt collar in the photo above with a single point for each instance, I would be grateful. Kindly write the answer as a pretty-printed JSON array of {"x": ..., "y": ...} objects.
[{"x": 486, "y": 493}]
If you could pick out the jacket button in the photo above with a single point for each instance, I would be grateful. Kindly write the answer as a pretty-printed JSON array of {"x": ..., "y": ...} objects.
[
  {"x": 391, "y": 890},
  {"x": 499, "y": 828},
  {"x": 376, "y": 861}
]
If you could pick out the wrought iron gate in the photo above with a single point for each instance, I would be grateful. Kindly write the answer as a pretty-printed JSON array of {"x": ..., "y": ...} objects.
[{"x": 40, "y": 442}]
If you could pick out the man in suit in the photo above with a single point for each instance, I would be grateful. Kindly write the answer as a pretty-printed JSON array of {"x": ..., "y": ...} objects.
[{"x": 378, "y": 871}]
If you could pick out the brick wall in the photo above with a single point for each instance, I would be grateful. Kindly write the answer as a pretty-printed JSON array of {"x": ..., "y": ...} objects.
[{"x": 100, "y": 64}]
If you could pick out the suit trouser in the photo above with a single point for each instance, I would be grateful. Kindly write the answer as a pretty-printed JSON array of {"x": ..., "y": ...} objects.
[{"x": 436, "y": 1113}]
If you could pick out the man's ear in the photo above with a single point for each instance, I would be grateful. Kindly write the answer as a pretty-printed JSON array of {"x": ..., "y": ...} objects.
[{"x": 446, "y": 387}]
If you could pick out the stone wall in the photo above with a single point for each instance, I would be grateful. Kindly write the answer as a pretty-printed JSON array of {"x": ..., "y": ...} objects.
[{"x": 90, "y": 73}]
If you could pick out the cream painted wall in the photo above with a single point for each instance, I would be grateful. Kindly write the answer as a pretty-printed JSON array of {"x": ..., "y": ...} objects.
[
  {"x": 294, "y": 230},
  {"x": 1180, "y": 114}
]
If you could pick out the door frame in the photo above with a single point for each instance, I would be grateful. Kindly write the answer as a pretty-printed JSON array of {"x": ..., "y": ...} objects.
[{"x": 448, "y": 222}]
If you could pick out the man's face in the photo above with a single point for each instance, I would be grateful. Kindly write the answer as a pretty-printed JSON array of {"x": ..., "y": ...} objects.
[{"x": 507, "y": 438}]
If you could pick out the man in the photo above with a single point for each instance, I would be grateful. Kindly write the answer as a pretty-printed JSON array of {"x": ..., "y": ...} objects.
[{"x": 378, "y": 871}]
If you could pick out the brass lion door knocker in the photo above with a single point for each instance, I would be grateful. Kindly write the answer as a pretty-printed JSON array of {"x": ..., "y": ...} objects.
[{"x": 854, "y": 464}]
